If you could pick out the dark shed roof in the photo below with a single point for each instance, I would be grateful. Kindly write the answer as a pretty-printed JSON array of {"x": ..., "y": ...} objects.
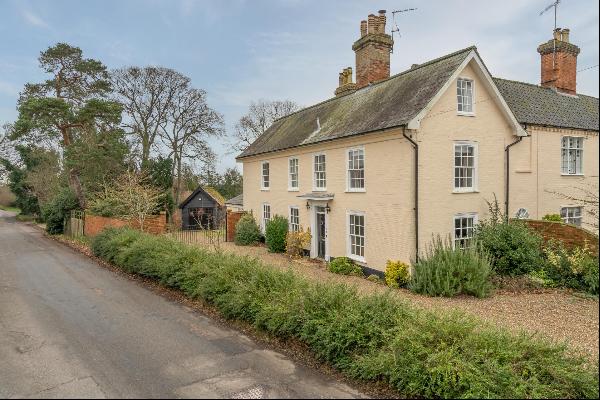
[
  {"x": 211, "y": 192},
  {"x": 390, "y": 103},
  {"x": 533, "y": 104}
]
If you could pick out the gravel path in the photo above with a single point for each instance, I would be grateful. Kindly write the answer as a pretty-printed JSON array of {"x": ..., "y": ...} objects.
[{"x": 556, "y": 314}]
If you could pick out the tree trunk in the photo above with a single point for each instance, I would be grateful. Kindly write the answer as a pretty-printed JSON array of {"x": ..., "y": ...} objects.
[{"x": 75, "y": 183}]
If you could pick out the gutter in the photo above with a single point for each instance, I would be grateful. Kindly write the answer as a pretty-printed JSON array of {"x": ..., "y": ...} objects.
[
  {"x": 415, "y": 145},
  {"x": 507, "y": 188}
]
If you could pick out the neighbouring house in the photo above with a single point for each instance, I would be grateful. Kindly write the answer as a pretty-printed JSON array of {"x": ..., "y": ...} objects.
[
  {"x": 204, "y": 208},
  {"x": 235, "y": 203},
  {"x": 387, "y": 163}
]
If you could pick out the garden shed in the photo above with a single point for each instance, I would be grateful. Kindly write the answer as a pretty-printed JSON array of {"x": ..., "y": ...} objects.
[{"x": 203, "y": 209}]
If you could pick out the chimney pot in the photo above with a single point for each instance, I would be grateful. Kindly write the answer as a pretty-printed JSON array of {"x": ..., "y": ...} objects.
[
  {"x": 557, "y": 34},
  {"x": 363, "y": 28},
  {"x": 565, "y": 35},
  {"x": 371, "y": 24}
]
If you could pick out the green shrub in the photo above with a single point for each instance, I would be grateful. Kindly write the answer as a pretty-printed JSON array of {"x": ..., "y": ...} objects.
[
  {"x": 447, "y": 271},
  {"x": 57, "y": 209},
  {"x": 275, "y": 234},
  {"x": 576, "y": 269},
  {"x": 397, "y": 274},
  {"x": 377, "y": 338},
  {"x": 514, "y": 248},
  {"x": 552, "y": 218},
  {"x": 247, "y": 231},
  {"x": 374, "y": 278},
  {"x": 344, "y": 266}
]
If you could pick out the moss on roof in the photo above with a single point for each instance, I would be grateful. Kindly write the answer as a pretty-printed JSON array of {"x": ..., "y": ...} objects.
[
  {"x": 389, "y": 103},
  {"x": 537, "y": 105}
]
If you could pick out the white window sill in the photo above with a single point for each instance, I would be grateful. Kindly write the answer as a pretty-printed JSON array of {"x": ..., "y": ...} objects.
[
  {"x": 563, "y": 174},
  {"x": 264, "y": 189},
  {"x": 319, "y": 189},
  {"x": 465, "y": 114},
  {"x": 461, "y": 191},
  {"x": 356, "y": 191},
  {"x": 293, "y": 189},
  {"x": 357, "y": 259}
]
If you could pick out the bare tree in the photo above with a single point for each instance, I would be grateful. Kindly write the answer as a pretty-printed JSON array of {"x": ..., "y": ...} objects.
[
  {"x": 190, "y": 121},
  {"x": 587, "y": 196},
  {"x": 130, "y": 197},
  {"x": 260, "y": 117},
  {"x": 147, "y": 95}
]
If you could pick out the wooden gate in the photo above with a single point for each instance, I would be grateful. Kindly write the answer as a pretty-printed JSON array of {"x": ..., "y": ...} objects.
[{"x": 74, "y": 224}]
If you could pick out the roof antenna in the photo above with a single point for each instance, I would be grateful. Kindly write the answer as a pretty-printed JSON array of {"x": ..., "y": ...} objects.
[
  {"x": 555, "y": 6},
  {"x": 396, "y": 29}
]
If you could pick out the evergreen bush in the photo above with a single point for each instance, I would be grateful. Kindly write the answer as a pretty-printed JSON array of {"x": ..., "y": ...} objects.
[
  {"x": 247, "y": 231},
  {"x": 275, "y": 234},
  {"x": 447, "y": 271}
]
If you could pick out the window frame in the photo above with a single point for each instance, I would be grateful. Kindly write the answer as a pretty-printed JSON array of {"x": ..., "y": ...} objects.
[
  {"x": 563, "y": 148},
  {"x": 473, "y": 215},
  {"x": 262, "y": 175},
  {"x": 290, "y": 187},
  {"x": 314, "y": 172},
  {"x": 475, "y": 187},
  {"x": 360, "y": 259},
  {"x": 458, "y": 111},
  {"x": 349, "y": 187},
  {"x": 263, "y": 220},
  {"x": 290, "y": 222},
  {"x": 567, "y": 217}
]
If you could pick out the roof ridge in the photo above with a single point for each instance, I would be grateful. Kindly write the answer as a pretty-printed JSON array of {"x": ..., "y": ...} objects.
[{"x": 426, "y": 63}]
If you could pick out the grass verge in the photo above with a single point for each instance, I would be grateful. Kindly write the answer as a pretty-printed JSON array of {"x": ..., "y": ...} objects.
[
  {"x": 11, "y": 209},
  {"x": 373, "y": 338}
]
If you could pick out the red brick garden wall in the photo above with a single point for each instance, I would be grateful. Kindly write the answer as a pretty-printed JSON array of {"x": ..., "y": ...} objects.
[
  {"x": 570, "y": 235},
  {"x": 232, "y": 219},
  {"x": 94, "y": 224}
]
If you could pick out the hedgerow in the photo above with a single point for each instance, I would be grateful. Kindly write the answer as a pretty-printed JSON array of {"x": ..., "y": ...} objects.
[{"x": 376, "y": 337}]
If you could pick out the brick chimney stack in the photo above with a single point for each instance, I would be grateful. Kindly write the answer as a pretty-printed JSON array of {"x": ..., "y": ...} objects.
[
  {"x": 346, "y": 85},
  {"x": 372, "y": 51},
  {"x": 559, "y": 62}
]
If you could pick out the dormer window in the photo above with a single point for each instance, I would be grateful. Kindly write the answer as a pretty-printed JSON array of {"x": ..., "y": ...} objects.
[{"x": 464, "y": 96}]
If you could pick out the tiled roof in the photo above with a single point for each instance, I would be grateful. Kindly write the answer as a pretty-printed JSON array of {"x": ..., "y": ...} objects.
[
  {"x": 533, "y": 104},
  {"x": 236, "y": 201},
  {"x": 389, "y": 103}
]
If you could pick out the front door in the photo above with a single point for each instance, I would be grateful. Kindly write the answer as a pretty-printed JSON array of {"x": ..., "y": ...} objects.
[{"x": 321, "y": 231}]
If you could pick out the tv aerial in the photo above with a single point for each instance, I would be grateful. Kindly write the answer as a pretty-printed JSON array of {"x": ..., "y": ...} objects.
[
  {"x": 555, "y": 6},
  {"x": 395, "y": 28}
]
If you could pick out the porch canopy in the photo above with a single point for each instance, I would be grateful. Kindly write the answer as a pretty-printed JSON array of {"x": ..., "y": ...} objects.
[{"x": 317, "y": 196}]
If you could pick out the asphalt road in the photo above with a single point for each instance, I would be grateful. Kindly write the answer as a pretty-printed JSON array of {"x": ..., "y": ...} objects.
[{"x": 69, "y": 328}]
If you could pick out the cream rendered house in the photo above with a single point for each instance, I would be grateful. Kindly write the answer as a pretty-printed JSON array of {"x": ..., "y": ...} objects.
[{"x": 390, "y": 161}]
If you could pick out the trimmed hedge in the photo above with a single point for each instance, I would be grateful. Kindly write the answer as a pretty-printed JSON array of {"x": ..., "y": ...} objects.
[{"x": 376, "y": 337}]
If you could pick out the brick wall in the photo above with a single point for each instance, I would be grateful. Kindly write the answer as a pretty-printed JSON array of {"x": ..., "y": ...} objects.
[
  {"x": 232, "y": 219},
  {"x": 94, "y": 224},
  {"x": 570, "y": 235}
]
